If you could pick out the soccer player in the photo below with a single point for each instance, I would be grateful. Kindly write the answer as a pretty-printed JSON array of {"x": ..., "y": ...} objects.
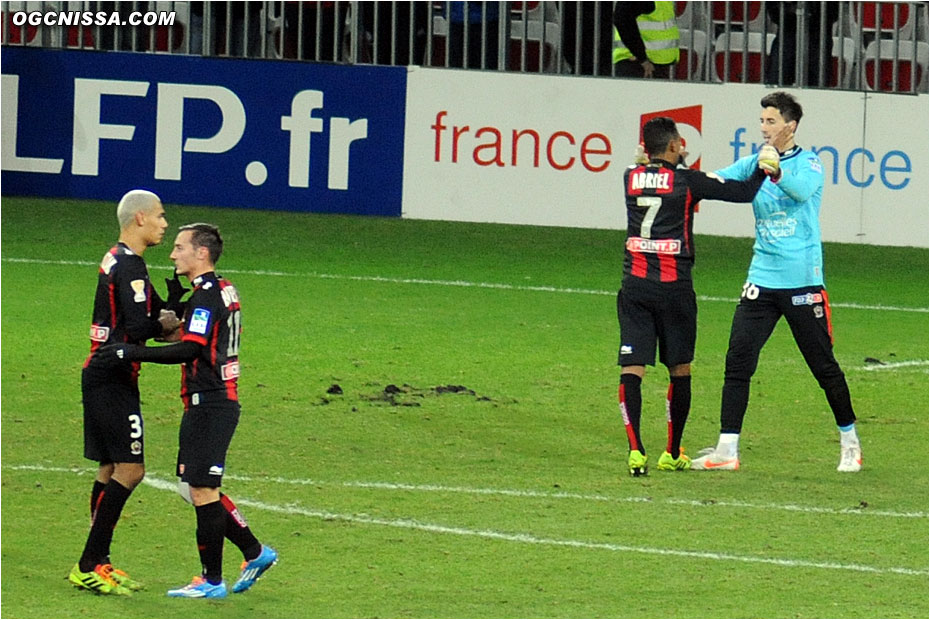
[
  {"x": 209, "y": 353},
  {"x": 126, "y": 310},
  {"x": 785, "y": 279},
  {"x": 657, "y": 301}
]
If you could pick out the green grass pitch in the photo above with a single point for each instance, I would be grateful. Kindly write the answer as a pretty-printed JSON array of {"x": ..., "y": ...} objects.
[{"x": 508, "y": 498}]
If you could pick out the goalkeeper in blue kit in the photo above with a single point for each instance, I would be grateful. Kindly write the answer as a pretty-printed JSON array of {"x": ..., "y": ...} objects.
[{"x": 785, "y": 280}]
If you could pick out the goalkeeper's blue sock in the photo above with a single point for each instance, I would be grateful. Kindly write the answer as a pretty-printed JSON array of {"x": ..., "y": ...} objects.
[{"x": 848, "y": 435}]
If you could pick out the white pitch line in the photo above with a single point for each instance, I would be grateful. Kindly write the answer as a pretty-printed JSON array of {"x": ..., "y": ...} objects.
[
  {"x": 895, "y": 365},
  {"x": 457, "y": 283},
  {"x": 530, "y": 539},
  {"x": 433, "y": 488}
]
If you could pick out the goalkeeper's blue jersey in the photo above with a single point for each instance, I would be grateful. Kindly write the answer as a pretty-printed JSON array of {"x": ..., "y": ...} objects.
[{"x": 788, "y": 251}]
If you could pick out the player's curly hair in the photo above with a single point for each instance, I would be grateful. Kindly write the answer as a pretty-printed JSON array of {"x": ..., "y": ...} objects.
[
  {"x": 206, "y": 236},
  {"x": 785, "y": 103}
]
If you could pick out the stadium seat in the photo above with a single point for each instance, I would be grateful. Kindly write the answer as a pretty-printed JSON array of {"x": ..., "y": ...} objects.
[
  {"x": 843, "y": 71},
  {"x": 911, "y": 76},
  {"x": 45, "y": 36},
  {"x": 740, "y": 14},
  {"x": 536, "y": 30},
  {"x": 172, "y": 38},
  {"x": 16, "y": 33},
  {"x": 883, "y": 18},
  {"x": 693, "y": 46},
  {"x": 737, "y": 50},
  {"x": 691, "y": 16},
  {"x": 75, "y": 36}
]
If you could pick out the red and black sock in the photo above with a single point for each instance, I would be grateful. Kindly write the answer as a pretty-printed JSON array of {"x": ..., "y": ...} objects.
[
  {"x": 238, "y": 531},
  {"x": 109, "y": 507},
  {"x": 211, "y": 523},
  {"x": 678, "y": 404},
  {"x": 631, "y": 408},
  {"x": 95, "y": 497}
]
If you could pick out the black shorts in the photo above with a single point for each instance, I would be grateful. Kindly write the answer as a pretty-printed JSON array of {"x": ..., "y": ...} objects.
[
  {"x": 807, "y": 311},
  {"x": 206, "y": 431},
  {"x": 649, "y": 313},
  {"x": 113, "y": 427}
]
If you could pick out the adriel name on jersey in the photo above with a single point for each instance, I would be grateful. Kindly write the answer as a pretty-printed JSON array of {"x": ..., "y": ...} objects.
[{"x": 650, "y": 180}]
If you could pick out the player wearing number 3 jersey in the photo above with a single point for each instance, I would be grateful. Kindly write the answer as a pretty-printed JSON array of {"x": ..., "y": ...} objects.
[
  {"x": 785, "y": 279},
  {"x": 656, "y": 302},
  {"x": 209, "y": 353},
  {"x": 126, "y": 310}
]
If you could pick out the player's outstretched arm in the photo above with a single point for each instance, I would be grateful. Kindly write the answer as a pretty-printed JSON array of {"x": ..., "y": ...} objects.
[
  {"x": 712, "y": 187},
  {"x": 179, "y": 353}
]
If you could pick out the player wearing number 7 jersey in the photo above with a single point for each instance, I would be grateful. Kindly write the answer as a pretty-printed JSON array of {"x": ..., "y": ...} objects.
[
  {"x": 656, "y": 302},
  {"x": 785, "y": 279},
  {"x": 209, "y": 353}
]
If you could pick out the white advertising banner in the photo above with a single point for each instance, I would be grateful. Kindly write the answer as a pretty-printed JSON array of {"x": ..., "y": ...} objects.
[{"x": 547, "y": 150}]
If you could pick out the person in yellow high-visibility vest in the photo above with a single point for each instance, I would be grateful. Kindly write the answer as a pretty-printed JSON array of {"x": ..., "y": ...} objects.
[{"x": 645, "y": 39}]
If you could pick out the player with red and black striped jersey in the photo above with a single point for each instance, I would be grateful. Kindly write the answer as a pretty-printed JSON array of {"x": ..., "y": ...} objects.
[
  {"x": 209, "y": 354},
  {"x": 127, "y": 309},
  {"x": 656, "y": 302},
  {"x": 214, "y": 324}
]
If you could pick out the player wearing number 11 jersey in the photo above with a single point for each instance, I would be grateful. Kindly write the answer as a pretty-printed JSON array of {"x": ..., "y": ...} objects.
[
  {"x": 209, "y": 353},
  {"x": 656, "y": 302}
]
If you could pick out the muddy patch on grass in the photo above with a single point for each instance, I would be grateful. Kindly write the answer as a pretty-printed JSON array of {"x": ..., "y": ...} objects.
[{"x": 406, "y": 395}]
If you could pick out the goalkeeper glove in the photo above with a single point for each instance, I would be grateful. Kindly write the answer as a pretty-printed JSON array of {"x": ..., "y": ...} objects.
[{"x": 769, "y": 161}]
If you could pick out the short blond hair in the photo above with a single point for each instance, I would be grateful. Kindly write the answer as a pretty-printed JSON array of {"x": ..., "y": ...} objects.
[{"x": 132, "y": 202}]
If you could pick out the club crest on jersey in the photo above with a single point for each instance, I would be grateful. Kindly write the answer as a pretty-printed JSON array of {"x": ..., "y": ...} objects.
[
  {"x": 807, "y": 300},
  {"x": 139, "y": 287},
  {"x": 199, "y": 321},
  {"x": 136, "y": 447},
  {"x": 653, "y": 246},
  {"x": 648, "y": 179}
]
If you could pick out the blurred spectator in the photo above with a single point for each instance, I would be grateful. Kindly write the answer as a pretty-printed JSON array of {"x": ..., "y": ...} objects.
[
  {"x": 482, "y": 21},
  {"x": 306, "y": 18},
  {"x": 596, "y": 19},
  {"x": 381, "y": 19},
  {"x": 780, "y": 66},
  {"x": 645, "y": 39},
  {"x": 242, "y": 40}
]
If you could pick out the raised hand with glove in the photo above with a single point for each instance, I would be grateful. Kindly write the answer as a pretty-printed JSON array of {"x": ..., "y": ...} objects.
[{"x": 769, "y": 162}]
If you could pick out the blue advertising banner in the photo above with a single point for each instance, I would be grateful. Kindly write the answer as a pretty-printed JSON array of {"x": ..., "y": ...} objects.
[{"x": 203, "y": 131}]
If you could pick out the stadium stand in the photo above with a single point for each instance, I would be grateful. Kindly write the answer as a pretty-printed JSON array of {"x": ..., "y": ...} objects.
[{"x": 876, "y": 45}]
